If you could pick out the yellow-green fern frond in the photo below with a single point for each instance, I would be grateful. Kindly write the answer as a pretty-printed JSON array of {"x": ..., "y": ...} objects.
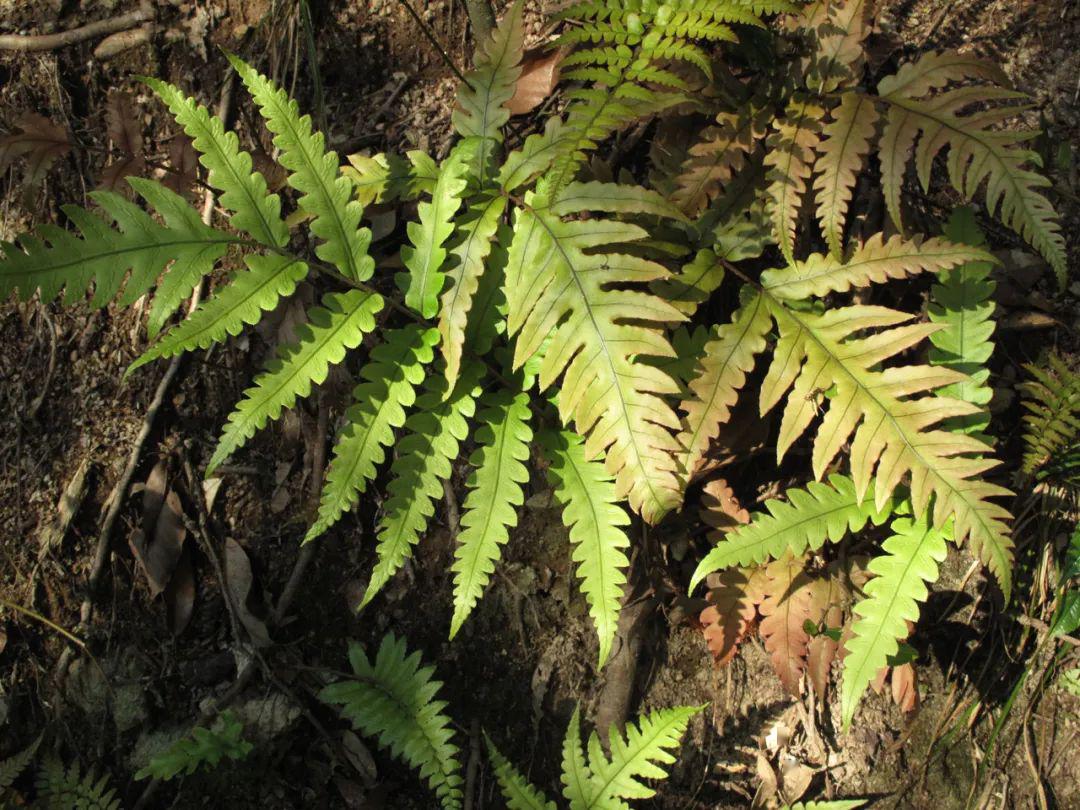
[
  {"x": 255, "y": 210},
  {"x": 727, "y": 359},
  {"x": 827, "y": 369},
  {"x": 470, "y": 248},
  {"x": 435, "y": 431},
  {"x": 495, "y": 492},
  {"x": 58, "y": 260},
  {"x": 325, "y": 194},
  {"x": 872, "y": 262},
  {"x": 592, "y": 514},
  {"x": 393, "y": 699},
  {"x": 425, "y": 257},
  {"x": 603, "y": 782},
  {"x": 515, "y": 788},
  {"x": 842, "y": 154},
  {"x": 386, "y": 178},
  {"x": 804, "y": 521},
  {"x": 715, "y": 159},
  {"x": 923, "y": 119},
  {"x": 394, "y": 369},
  {"x": 242, "y": 301},
  {"x": 910, "y": 561},
  {"x": 562, "y": 290},
  {"x": 791, "y": 152},
  {"x": 481, "y": 99},
  {"x": 339, "y": 325}
]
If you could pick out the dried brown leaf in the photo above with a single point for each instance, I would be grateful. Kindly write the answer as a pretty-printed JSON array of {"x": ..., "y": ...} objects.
[
  {"x": 180, "y": 594},
  {"x": 240, "y": 580},
  {"x": 905, "y": 688},
  {"x": 720, "y": 508},
  {"x": 539, "y": 76},
  {"x": 39, "y": 141},
  {"x": 66, "y": 508},
  {"x": 731, "y": 612},
  {"x": 160, "y": 554},
  {"x": 785, "y": 609},
  {"x": 125, "y": 130},
  {"x": 184, "y": 165}
]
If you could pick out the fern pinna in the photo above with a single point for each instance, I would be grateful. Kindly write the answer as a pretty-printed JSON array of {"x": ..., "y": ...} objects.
[{"x": 538, "y": 300}]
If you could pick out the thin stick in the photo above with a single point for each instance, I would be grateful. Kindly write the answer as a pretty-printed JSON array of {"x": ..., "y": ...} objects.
[
  {"x": 115, "y": 500},
  {"x": 33, "y": 614},
  {"x": 50, "y": 42},
  {"x": 431, "y": 38}
]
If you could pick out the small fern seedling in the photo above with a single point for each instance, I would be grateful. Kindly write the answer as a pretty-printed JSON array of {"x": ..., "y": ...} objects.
[{"x": 205, "y": 748}]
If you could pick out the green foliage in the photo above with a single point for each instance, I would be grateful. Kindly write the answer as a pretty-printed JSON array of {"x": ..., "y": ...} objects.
[
  {"x": 961, "y": 302},
  {"x": 395, "y": 368},
  {"x": 393, "y": 700},
  {"x": 325, "y": 195},
  {"x": 340, "y": 324},
  {"x": 804, "y": 521},
  {"x": 601, "y": 782},
  {"x": 205, "y": 748},
  {"x": 596, "y": 521},
  {"x": 12, "y": 767},
  {"x": 433, "y": 434},
  {"x": 61, "y": 788},
  {"x": 495, "y": 491},
  {"x": 911, "y": 559},
  {"x": 1052, "y": 424}
]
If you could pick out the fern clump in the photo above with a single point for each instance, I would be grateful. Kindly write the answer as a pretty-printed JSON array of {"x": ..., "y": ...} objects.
[{"x": 547, "y": 308}]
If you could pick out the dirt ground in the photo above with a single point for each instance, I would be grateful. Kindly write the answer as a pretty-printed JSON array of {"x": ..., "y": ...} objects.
[{"x": 528, "y": 653}]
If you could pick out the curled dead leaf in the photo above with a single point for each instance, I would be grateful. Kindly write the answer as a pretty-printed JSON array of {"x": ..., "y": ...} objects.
[
  {"x": 180, "y": 594},
  {"x": 158, "y": 551},
  {"x": 40, "y": 142},
  {"x": 183, "y": 165},
  {"x": 240, "y": 579},
  {"x": 125, "y": 131},
  {"x": 720, "y": 508},
  {"x": 539, "y": 76}
]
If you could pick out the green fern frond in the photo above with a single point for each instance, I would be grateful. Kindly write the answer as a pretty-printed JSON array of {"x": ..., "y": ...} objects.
[
  {"x": 792, "y": 152},
  {"x": 640, "y": 756},
  {"x": 12, "y": 767},
  {"x": 592, "y": 514},
  {"x": 560, "y": 288},
  {"x": 809, "y": 517},
  {"x": 425, "y": 257},
  {"x": 495, "y": 490},
  {"x": 325, "y": 194},
  {"x": 515, "y": 788},
  {"x": 962, "y": 302},
  {"x": 62, "y": 788},
  {"x": 911, "y": 558},
  {"x": 394, "y": 369},
  {"x": 576, "y": 776},
  {"x": 242, "y": 301},
  {"x": 1052, "y": 424},
  {"x": 434, "y": 432},
  {"x": 693, "y": 285},
  {"x": 339, "y": 325},
  {"x": 255, "y": 210},
  {"x": 394, "y": 700},
  {"x": 481, "y": 99},
  {"x": 59, "y": 260},
  {"x": 206, "y": 747},
  {"x": 472, "y": 244}
]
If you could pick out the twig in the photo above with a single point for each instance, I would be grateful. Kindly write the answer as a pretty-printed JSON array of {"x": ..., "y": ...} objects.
[
  {"x": 1033, "y": 766},
  {"x": 431, "y": 38},
  {"x": 453, "y": 515},
  {"x": 1028, "y": 621},
  {"x": 50, "y": 42},
  {"x": 33, "y": 614},
  {"x": 115, "y": 500},
  {"x": 307, "y": 551},
  {"x": 474, "y": 765}
]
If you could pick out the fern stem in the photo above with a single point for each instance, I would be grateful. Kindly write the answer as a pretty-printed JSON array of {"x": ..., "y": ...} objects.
[{"x": 33, "y": 614}]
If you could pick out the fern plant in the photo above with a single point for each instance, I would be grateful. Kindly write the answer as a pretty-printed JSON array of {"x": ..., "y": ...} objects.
[
  {"x": 61, "y": 788},
  {"x": 541, "y": 302},
  {"x": 204, "y": 748},
  {"x": 602, "y": 781}
]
